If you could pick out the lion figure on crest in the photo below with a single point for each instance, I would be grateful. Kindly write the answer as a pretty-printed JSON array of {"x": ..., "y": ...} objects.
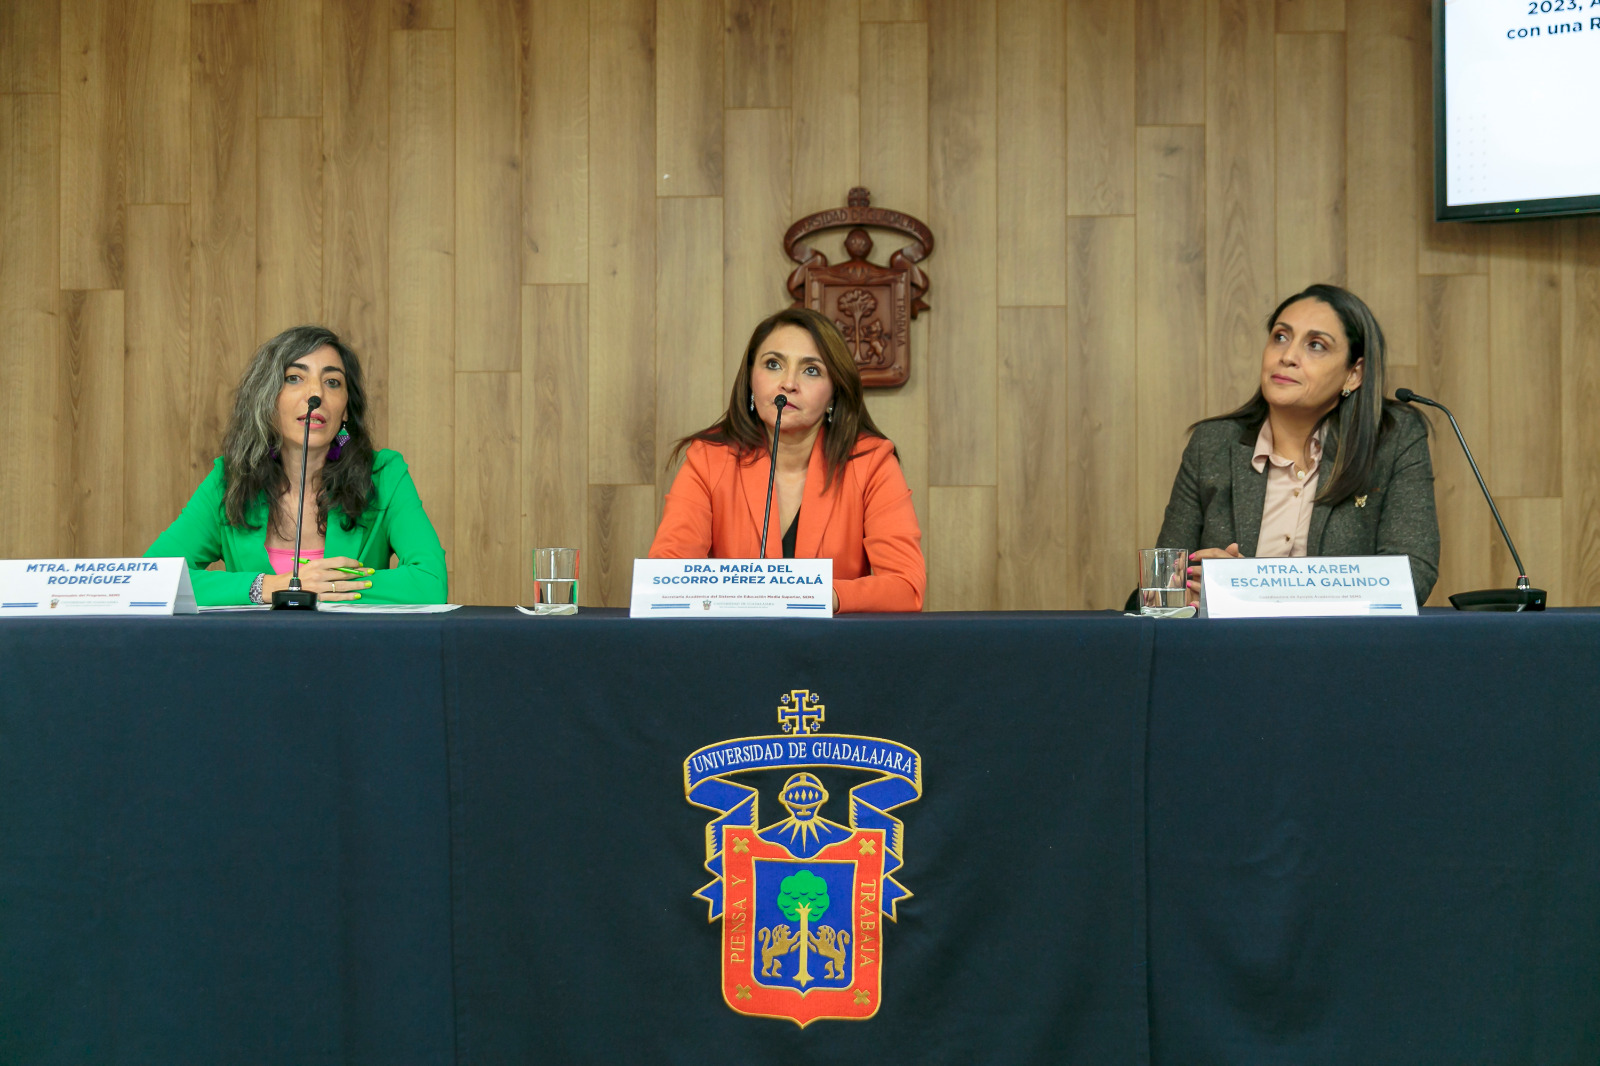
[
  {"x": 825, "y": 941},
  {"x": 776, "y": 943}
]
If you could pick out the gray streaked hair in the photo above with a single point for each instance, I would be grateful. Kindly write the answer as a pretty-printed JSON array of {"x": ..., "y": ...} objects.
[{"x": 251, "y": 445}]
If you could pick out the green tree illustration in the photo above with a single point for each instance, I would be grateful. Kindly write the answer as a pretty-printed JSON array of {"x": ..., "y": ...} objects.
[{"x": 802, "y": 897}]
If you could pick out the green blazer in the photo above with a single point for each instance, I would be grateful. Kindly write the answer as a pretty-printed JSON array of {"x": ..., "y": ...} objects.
[
  {"x": 394, "y": 523},
  {"x": 1217, "y": 499}
]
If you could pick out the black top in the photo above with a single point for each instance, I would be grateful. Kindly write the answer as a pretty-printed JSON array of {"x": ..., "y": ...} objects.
[{"x": 789, "y": 535}]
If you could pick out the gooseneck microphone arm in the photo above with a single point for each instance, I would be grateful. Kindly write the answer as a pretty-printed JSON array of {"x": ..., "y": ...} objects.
[
  {"x": 1407, "y": 396},
  {"x": 300, "y": 516},
  {"x": 780, "y": 402}
]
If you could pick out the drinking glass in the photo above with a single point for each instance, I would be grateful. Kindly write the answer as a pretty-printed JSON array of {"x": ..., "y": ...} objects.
[
  {"x": 1163, "y": 581},
  {"x": 555, "y": 580}
]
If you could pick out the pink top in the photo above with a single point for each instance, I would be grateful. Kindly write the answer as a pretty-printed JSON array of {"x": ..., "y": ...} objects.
[
  {"x": 1286, "y": 515},
  {"x": 282, "y": 559}
]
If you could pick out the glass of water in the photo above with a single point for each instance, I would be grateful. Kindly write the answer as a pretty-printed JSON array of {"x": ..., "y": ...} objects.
[
  {"x": 555, "y": 580},
  {"x": 1163, "y": 581}
]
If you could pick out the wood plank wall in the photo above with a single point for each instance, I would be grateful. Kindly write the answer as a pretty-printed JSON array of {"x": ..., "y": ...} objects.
[{"x": 549, "y": 226}]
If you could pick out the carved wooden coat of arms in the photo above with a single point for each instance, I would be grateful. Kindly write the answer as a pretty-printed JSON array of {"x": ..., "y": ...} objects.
[{"x": 872, "y": 305}]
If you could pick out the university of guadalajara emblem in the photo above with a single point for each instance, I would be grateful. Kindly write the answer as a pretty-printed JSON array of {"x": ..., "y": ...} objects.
[{"x": 802, "y": 901}]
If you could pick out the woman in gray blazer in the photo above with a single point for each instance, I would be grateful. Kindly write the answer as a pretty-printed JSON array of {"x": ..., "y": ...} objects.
[{"x": 1318, "y": 462}]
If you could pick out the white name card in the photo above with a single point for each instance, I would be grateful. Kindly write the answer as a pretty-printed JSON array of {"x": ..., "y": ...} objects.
[
  {"x": 1365, "y": 586},
  {"x": 732, "y": 588},
  {"x": 33, "y": 588}
]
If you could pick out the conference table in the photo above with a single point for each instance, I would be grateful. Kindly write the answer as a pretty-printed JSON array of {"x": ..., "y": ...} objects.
[{"x": 464, "y": 837}]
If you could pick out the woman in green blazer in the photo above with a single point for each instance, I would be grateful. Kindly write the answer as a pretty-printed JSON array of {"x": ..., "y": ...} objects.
[
  {"x": 1318, "y": 462},
  {"x": 361, "y": 505}
]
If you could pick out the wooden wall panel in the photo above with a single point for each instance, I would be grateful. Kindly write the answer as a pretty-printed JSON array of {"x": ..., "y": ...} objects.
[
  {"x": 961, "y": 364},
  {"x": 538, "y": 331},
  {"x": 622, "y": 521},
  {"x": 1525, "y": 359},
  {"x": 689, "y": 390},
  {"x": 894, "y": 10},
  {"x": 1382, "y": 171},
  {"x": 423, "y": 14},
  {"x": 488, "y": 186},
  {"x": 555, "y": 142},
  {"x": 289, "y": 225},
  {"x": 158, "y": 101},
  {"x": 758, "y": 52},
  {"x": 689, "y": 86},
  {"x": 1031, "y": 144},
  {"x": 355, "y": 244},
  {"x": 1031, "y": 494},
  {"x": 222, "y": 218},
  {"x": 1102, "y": 512},
  {"x": 961, "y": 548},
  {"x": 155, "y": 401},
  {"x": 1310, "y": 147},
  {"x": 290, "y": 66},
  {"x": 421, "y": 385},
  {"x": 94, "y": 51},
  {"x": 755, "y": 214},
  {"x": 1170, "y": 72},
  {"x": 555, "y": 434},
  {"x": 622, "y": 229},
  {"x": 1241, "y": 253},
  {"x": 488, "y": 489},
  {"x": 1310, "y": 16},
  {"x": 30, "y": 335},
  {"x": 1170, "y": 287},
  {"x": 30, "y": 46},
  {"x": 1580, "y": 397},
  {"x": 826, "y": 104},
  {"x": 89, "y": 420},
  {"x": 1455, "y": 371},
  {"x": 894, "y": 165},
  {"x": 1100, "y": 107}
]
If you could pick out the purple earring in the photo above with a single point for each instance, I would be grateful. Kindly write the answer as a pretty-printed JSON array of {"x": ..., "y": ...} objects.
[{"x": 339, "y": 442}]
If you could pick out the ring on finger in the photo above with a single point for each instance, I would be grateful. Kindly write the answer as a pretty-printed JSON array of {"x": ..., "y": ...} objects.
[{"x": 336, "y": 586}]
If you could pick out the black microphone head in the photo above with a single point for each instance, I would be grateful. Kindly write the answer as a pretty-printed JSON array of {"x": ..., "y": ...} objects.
[
  {"x": 1404, "y": 395},
  {"x": 780, "y": 401},
  {"x": 313, "y": 403}
]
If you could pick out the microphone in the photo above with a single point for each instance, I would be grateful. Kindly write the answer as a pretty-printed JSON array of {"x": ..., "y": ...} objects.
[
  {"x": 780, "y": 402},
  {"x": 294, "y": 598},
  {"x": 1523, "y": 597}
]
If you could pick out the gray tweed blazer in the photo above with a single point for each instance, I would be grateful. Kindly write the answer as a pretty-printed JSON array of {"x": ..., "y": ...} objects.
[{"x": 1217, "y": 499}]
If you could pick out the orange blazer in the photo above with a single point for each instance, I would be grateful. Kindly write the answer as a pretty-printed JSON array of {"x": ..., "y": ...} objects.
[{"x": 865, "y": 522}]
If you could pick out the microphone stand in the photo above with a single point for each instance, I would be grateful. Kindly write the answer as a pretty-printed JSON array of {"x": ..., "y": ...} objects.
[
  {"x": 295, "y": 598},
  {"x": 1522, "y": 598},
  {"x": 780, "y": 402}
]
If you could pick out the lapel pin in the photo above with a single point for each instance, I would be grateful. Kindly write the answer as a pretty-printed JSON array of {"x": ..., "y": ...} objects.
[{"x": 1361, "y": 501}]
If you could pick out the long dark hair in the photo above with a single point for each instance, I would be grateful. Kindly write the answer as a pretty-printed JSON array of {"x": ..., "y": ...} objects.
[
  {"x": 251, "y": 446},
  {"x": 741, "y": 428},
  {"x": 1357, "y": 422}
]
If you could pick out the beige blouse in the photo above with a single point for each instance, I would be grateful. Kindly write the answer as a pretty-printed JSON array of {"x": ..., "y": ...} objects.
[{"x": 1286, "y": 516}]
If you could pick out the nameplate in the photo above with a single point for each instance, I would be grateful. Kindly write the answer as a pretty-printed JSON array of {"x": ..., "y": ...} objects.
[
  {"x": 32, "y": 588},
  {"x": 732, "y": 588},
  {"x": 1366, "y": 586}
]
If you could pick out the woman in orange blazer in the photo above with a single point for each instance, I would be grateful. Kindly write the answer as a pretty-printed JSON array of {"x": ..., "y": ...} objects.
[{"x": 838, "y": 493}]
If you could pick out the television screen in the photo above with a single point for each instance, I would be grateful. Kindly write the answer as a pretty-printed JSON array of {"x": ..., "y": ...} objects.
[{"x": 1516, "y": 108}]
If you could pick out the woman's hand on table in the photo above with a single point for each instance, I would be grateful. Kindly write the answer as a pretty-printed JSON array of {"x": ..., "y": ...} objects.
[
  {"x": 325, "y": 578},
  {"x": 1230, "y": 552}
]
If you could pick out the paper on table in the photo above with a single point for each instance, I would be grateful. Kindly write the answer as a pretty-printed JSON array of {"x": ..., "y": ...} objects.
[
  {"x": 386, "y": 608},
  {"x": 238, "y": 607},
  {"x": 551, "y": 611}
]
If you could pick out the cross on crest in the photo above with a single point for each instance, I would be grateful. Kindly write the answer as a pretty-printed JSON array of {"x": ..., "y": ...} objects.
[{"x": 799, "y": 712}]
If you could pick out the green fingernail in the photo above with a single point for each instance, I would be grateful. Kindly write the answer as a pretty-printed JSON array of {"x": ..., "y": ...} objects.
[
  {"x": 367, "y": 585},
  {"x": 370, "y": 570},
  {"x": 358, "y": 595}
]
